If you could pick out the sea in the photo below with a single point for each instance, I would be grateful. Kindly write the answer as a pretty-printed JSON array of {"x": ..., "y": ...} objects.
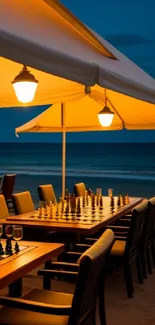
[{"x": 127, "y": 168}]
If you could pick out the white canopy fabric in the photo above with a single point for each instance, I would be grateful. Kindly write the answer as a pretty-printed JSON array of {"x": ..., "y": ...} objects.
[{"x": 63, "y": 54}]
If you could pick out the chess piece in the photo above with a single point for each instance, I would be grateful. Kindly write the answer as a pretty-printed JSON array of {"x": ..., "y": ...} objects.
[
  {"x": 1, "y": 249},
  {"x": 112, "y": 201},
  {"x": 126, "y": 199},
  {"x": 101, "y": 202},
  {"x": 17, "y": 248},
  {"x": 66, "y": 194},
  {"x": 8, "y": 247},
  {"x": 90, "y": 192},
  {"x": 119, "y": 200}
]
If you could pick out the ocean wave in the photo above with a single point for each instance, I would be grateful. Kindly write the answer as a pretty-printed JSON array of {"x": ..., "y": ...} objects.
[{"x": 108, "y": 174}]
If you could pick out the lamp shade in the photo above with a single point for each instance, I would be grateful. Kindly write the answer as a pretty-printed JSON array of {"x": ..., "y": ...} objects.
[
  {"x": 105, "y": 116},
  {"x": 25, "y": 86}
]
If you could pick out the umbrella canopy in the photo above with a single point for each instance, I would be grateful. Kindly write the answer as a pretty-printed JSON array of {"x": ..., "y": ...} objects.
[
  {"x": 61, "y": 52},
  {"x": 81, "y": 115}
]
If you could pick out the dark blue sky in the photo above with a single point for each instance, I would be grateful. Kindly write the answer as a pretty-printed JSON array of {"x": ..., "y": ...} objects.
[{"x": 129, "y": 26}]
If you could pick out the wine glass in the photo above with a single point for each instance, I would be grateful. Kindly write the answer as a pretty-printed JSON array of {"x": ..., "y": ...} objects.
[
  {"x": 8, "y": 232},
  {"x": 17, "y": 235}
]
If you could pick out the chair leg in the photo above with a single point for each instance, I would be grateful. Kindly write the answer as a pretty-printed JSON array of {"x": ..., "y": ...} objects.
[
  {"x": 143, "y": 264},
  {"x": 139, "y": 271},
  {"x": 153, "y": 253},
  {"x": 149, "y": 261},
  {"x": 128, "y": 280}
]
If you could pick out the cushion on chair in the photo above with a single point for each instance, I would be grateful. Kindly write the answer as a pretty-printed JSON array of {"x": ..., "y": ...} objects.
[
  {"x": 3, "y": 208},
  {"x": 46, "y": 193},
  {"x": 13, "y": 316},
  {"x": 118, "y": 248},
  {"x": 23, "y": 202},
  {"x": 80, "y": 189}
]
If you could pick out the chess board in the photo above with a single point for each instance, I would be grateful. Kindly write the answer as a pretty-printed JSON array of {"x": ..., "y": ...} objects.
[
  {"x": 84, "y": 210},
  {"x": 5, "y": 255}
]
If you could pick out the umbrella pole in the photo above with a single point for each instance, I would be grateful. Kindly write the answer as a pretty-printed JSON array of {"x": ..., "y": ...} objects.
[
  {"x": 63, "y": 151},
  {"x": 63, "y": 163}
]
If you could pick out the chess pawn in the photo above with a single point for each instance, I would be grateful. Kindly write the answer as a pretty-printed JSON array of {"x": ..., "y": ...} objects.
[
  {"x": 90, "y": 192},
  {"x": 57, "y": 211},
  {"x": 112, "y": 201},
  {"x": 101, "y": 202},
  {"x": 42, "y": 212},
  {"x": 67, "y": 208},
  {"x": 93, "y": 201},
  {"x": 121, "y": 200},
  {"x": 66, "y": 194},
  {"x": 126, "y": 199}
]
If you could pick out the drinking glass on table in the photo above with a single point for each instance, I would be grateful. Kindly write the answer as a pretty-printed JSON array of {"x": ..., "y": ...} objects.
[
  {"x": 17, "y": 235},
  {"x": 110, "y": 192},
  {"x": 8, "y": 232}
]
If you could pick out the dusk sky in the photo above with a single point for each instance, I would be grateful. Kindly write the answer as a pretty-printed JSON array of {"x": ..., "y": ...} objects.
[{"x": 129, "y": 26}]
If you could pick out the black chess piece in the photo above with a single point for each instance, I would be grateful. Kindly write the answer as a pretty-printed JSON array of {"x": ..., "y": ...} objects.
[
  {"x": 119, "y": 200},
  {"x": 8, "y": 247},
  {"x": 112, "y": 201},
  {"x": 17, "y": 248},
  {"x": 1, "y": 249},
  {"x": 101, "y": 202}
]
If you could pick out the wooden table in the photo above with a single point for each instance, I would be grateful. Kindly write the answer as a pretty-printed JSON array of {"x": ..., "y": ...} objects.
[
  {"x": 14, "y": 267},
  {"x": 70, "y": 226}
]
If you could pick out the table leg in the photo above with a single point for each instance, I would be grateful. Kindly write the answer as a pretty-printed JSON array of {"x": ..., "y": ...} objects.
[
  {"x": 15, "y": 288},
  {"x": 46, "y": 278}
]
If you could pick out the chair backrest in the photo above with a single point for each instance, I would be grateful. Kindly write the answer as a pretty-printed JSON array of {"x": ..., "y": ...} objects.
[
  {"x": 0, "y": 182},
  {"x": 90, "y": 280},
  {"x": 4, "y": 212},
  {"x": 149, "y": 225},
  {"x": 46, "y": 193},
  {"x": 135, "y": 231},
  {"x": 8, "y": 185},
  {"x": 23, "y": 202},
  {"x": 80, "y": 189}
]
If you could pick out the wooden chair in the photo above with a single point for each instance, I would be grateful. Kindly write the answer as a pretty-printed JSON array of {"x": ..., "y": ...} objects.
[
  {"x": 4, "y": 212},
  {"x": 125, "y": 249},
  {"x": 46, "y": 193},
  {"x": 23, "y": 202},
  {"x": 7, "y": 189},
  {"x": 0, "y": 182},
  {"x": 129, "y": 249},
  {"x": 147, "y": 238},
  {"x": 80, "y": 189},
  {"x": 49, "y": 307}
]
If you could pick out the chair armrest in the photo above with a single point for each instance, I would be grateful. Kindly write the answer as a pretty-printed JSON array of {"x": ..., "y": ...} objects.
[
  {"x": 118, "y": 227},
  {"x": 82, "y": 247},
  {"x": 65, "y": 265},
  {"x": 118, "y": 237},
  {"x": 51, "y": 273},
  {"x": 35, "y": 306}
]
